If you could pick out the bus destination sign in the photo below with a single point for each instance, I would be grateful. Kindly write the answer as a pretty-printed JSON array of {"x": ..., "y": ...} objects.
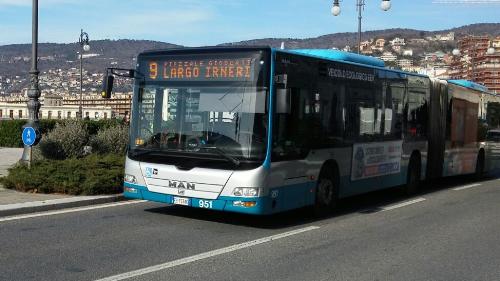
[{"x": 206, "y": 69}]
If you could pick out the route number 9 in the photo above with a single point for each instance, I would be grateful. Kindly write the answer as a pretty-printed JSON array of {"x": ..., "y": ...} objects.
[{"x": 153, "y": 70}]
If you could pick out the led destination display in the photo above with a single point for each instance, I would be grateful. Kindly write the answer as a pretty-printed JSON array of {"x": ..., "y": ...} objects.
[{"x": 206, "y": 69}]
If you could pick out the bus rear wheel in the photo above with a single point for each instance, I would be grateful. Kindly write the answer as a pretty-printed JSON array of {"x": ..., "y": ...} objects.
[
  {"x": 479, "y": 166},
  {"x": 413, "y": 177},
  {"x": 326, "y": 195}
]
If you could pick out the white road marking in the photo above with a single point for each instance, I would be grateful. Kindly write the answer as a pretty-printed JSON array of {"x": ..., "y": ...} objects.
[
  {"x": 466, "y": 186},
  {"x": 399, "y": 205},
  {"x": 71, "y": 210},
  {"x": 205, "y": 255}
]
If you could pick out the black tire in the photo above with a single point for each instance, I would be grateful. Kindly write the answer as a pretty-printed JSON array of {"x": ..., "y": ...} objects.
[
  {"x": 413, "y": 176},
  {"x": 479, "y": 166},
  {"x": 326, "y": 194}
]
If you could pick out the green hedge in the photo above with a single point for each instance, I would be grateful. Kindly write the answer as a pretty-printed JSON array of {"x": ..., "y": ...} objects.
[
  {"x": 11, "y": 130},
  {"x": 91, "y": 175},
  {"x": 94, "y": 126}
]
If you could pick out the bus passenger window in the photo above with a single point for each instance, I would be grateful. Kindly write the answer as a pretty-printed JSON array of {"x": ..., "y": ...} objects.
[
  {"x": 293, "y": 131},
  {"x": 416, "y": 110},
  {"x": 394, "y": 111}
]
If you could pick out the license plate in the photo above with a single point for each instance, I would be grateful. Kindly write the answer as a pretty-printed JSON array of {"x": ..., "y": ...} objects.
[{"x": 181, "y": 201}]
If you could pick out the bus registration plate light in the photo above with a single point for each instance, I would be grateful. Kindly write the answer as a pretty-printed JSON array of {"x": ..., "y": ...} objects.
[{"x": 181, "y": 201}]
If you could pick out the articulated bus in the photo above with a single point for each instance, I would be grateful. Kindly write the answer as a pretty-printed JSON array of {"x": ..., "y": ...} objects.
[{"x": 258, "y": 130}]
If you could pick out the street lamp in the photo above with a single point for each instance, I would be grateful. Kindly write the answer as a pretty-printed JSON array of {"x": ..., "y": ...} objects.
[
  {"x": 385, "y": 5},
  {"x": 85, "y": 47},
  {"x": 34, "y": 89}
]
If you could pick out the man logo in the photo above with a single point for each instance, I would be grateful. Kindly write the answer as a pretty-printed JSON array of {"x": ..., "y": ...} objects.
[
  {"x": 181, "y": 185},
  {"x": 181, "y": 191}
]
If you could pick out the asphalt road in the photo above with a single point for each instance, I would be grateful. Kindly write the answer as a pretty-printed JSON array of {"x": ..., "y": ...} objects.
[{"x": 440, "y": 234}]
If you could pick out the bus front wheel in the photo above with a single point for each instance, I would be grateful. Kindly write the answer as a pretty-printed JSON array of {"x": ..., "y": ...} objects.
[{"x": 326, "y": 194}]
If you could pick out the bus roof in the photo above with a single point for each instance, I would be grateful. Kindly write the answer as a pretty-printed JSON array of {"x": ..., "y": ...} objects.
[
  {"x": 343, "y": 56},
  {"x": 346, "y": 57},
  {"x": 470, "y": 85}
]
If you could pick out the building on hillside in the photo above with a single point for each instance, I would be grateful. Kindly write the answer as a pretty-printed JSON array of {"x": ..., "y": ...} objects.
[
  {"x": 365, "y": 47},
  {"x": 437, "y": 71},
  {"x": 435, "y": 56},
  {"x": 408, "y": 53},
  {"x": 417, "y": 41},
  {"x": 448, "y": 37},
  {"x": 475, "y": 64},
  {"x": 380, "y": 43},
  {"x": 388, "y": 56},
  {"x": 495, "y": 43},
  {"x": 414, "y": 69},
  {"x": 397, "y": 48},
  {"x": 404, "y": 63},
  {"x": 443, "y": 37},
  {"x": 397, "y": 42}
]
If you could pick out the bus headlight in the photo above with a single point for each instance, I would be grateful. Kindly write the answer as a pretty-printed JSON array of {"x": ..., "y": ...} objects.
[
  {"x": 130, "y": 179},
  {"x": 246, "y": 191}
]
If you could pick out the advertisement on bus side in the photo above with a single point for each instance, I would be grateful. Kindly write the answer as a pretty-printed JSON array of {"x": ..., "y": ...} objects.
[{"x": 376, "y": 159}]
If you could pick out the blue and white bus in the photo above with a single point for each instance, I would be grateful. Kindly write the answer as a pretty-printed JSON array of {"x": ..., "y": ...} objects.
[{"x": 258, "y": 130}]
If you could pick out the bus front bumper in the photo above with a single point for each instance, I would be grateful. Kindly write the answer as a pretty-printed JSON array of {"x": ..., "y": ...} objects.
[{"x": 255, "y": 206}]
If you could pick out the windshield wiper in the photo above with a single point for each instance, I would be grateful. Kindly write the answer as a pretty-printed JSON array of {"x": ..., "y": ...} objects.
[
  {"x": 223, "y": 154},
  {"x": 144, "y": 152}
]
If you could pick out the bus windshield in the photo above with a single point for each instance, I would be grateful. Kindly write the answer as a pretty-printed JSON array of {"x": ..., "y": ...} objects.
[{"x": 200, "y": 123}]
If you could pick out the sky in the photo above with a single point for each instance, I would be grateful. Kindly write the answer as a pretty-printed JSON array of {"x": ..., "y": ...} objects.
[{"x": 211, "y": 22}]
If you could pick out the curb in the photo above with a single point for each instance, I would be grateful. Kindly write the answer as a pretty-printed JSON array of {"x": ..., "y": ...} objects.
[{"x": 57, "y": 204}]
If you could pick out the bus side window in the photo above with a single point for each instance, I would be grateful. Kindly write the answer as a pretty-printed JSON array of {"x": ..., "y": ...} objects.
[
  {"x": 330, "y": 114},
  {"x": 416, "y": 110},
  {"x": 394, "y": 110},
  {"x": 363, "y": 113},
  {"x": 292, "y": 131}
]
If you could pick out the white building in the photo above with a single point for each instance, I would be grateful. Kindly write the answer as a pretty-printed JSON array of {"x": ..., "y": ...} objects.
[
  {"x": 408, "y": 53},
  {"x": 388, "y": 56},
  {"x": 53, "y": 109},
  {"x": 397, "y": 42},
  {"x": 347, "y": 48},
  {"x": 397, "y": 49},
  {"x": 403, "y": 63}
]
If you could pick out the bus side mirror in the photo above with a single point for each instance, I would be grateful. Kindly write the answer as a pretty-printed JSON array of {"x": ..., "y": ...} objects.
[
  {"x": 107, "y": 86},
  {"x": 283, "y": 101}
]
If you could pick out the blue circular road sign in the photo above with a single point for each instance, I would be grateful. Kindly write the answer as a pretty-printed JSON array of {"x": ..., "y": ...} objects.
[{"x": 29, "y": 136}]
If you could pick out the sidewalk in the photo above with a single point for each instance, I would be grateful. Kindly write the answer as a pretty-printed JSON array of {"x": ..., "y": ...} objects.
[{"x": 14, "y": 203}]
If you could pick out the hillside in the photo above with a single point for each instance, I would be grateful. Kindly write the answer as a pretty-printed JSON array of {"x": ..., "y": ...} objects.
[
  {"x": 15, "y": 59},
  {"x": 339, "y": 40}
]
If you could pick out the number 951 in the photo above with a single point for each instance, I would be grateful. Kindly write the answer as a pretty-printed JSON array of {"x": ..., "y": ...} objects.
[{"x": 205, "y": 204}]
